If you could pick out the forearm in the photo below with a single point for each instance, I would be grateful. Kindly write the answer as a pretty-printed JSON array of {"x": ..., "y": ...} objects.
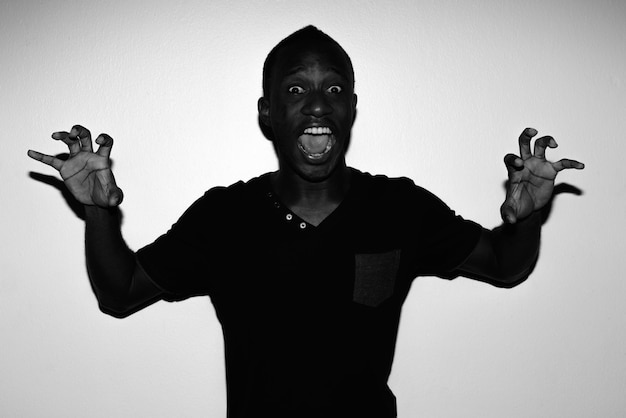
[
  {"x": 505, "y": 255},
  {"x": 109, "y": 260},
  {"x": 516, "y": 247}
]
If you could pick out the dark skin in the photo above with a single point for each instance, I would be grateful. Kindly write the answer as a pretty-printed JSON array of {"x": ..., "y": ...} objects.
[{"x": 311, "y": 87}]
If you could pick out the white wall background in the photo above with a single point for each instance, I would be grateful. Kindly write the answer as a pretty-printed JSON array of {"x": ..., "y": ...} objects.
[{"x": 445, "y": 87}]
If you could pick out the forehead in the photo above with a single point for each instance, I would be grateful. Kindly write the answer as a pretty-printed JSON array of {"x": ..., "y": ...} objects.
[{"x": 305, "y": 56}]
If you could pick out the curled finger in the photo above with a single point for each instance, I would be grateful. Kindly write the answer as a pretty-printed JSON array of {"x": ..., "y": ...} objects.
[
  {"x": 105, "y": 143},
  {"x": 542, "y": 143},
  {"x": 72, "y": 144},
  {"x": 83, "y": 135},
  {"x": 513, "y": 162},
  {"x": 524, "y": 142}
]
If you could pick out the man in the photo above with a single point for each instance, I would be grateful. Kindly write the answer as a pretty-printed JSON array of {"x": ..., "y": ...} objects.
[{"x": 308, "y": 266}]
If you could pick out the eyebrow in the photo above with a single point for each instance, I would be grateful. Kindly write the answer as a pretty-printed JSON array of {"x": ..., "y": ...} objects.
[{"x": 299, "y": 68}]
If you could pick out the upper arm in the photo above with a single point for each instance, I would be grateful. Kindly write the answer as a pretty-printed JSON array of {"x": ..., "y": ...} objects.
[{"x": 482, "y": 260}]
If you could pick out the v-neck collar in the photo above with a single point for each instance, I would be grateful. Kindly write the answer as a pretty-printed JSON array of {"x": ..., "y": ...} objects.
[{"x": 291, "y": 217}]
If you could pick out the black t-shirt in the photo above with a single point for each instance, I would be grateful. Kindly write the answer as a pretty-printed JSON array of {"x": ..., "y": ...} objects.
[{"x": 309, "y": 313}]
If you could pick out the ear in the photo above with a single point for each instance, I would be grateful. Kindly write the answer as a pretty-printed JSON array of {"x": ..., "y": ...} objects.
[
  {"x": 264, "y": 118},
  {"x": 264, "y": 111},
  {"x": 354, "y": 100}
]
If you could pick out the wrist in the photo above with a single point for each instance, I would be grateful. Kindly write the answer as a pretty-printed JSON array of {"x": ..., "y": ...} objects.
[
  {"x": 533, "y": 217},
  {"x": 95, "y": 212}
]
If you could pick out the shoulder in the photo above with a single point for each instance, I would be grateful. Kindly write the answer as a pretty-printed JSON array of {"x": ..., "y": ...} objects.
[
  {"x": 398, "y": 189},
  {"x": 221, "y": 202},
  {"x": 237, "y": 192}
]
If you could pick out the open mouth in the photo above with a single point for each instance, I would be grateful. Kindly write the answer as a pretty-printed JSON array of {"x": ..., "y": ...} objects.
[{"x": 317, "y": 141}]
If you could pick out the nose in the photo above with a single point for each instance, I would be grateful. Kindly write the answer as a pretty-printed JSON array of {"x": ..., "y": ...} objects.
[{"x": 317, "y": 105}]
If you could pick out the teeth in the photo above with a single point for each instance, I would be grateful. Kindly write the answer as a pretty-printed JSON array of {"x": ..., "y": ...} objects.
[{"x": 318, "y": 130}]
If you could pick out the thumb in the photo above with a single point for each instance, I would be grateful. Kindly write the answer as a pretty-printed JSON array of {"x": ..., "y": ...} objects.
[
  {"x": 115, "y": 196},
  {"x": 112, "y": 193},
  {"x": 507, "y": 212}
]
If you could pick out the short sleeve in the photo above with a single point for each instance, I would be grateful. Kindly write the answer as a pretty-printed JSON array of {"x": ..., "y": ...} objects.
[
  {"x": 440, "y": 239},
  {"x": 183, "y": 261}
]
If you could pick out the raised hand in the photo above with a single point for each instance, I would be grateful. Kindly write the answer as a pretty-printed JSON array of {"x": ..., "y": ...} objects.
[
  {"x": 531, "y": 177},
  {"x": 87, "y": 174}
]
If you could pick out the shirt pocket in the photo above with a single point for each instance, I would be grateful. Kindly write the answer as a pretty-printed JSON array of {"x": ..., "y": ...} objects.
[{"x": 375, "y": 277}]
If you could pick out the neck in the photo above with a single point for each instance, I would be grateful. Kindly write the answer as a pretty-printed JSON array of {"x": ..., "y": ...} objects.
[{"x": 313, "y": 201}]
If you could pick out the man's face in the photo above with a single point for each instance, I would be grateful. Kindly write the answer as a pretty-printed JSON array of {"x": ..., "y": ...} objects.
[{"x": 311, "y": 109}]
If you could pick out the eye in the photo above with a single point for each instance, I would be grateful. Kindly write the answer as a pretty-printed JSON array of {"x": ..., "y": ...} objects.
[
  {"x": 295, "y": 90},
  {"x": 334, "y": 89}
]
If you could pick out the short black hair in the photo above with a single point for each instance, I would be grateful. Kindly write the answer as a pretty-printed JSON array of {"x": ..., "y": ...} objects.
[{"x": 307, "y": 33}]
